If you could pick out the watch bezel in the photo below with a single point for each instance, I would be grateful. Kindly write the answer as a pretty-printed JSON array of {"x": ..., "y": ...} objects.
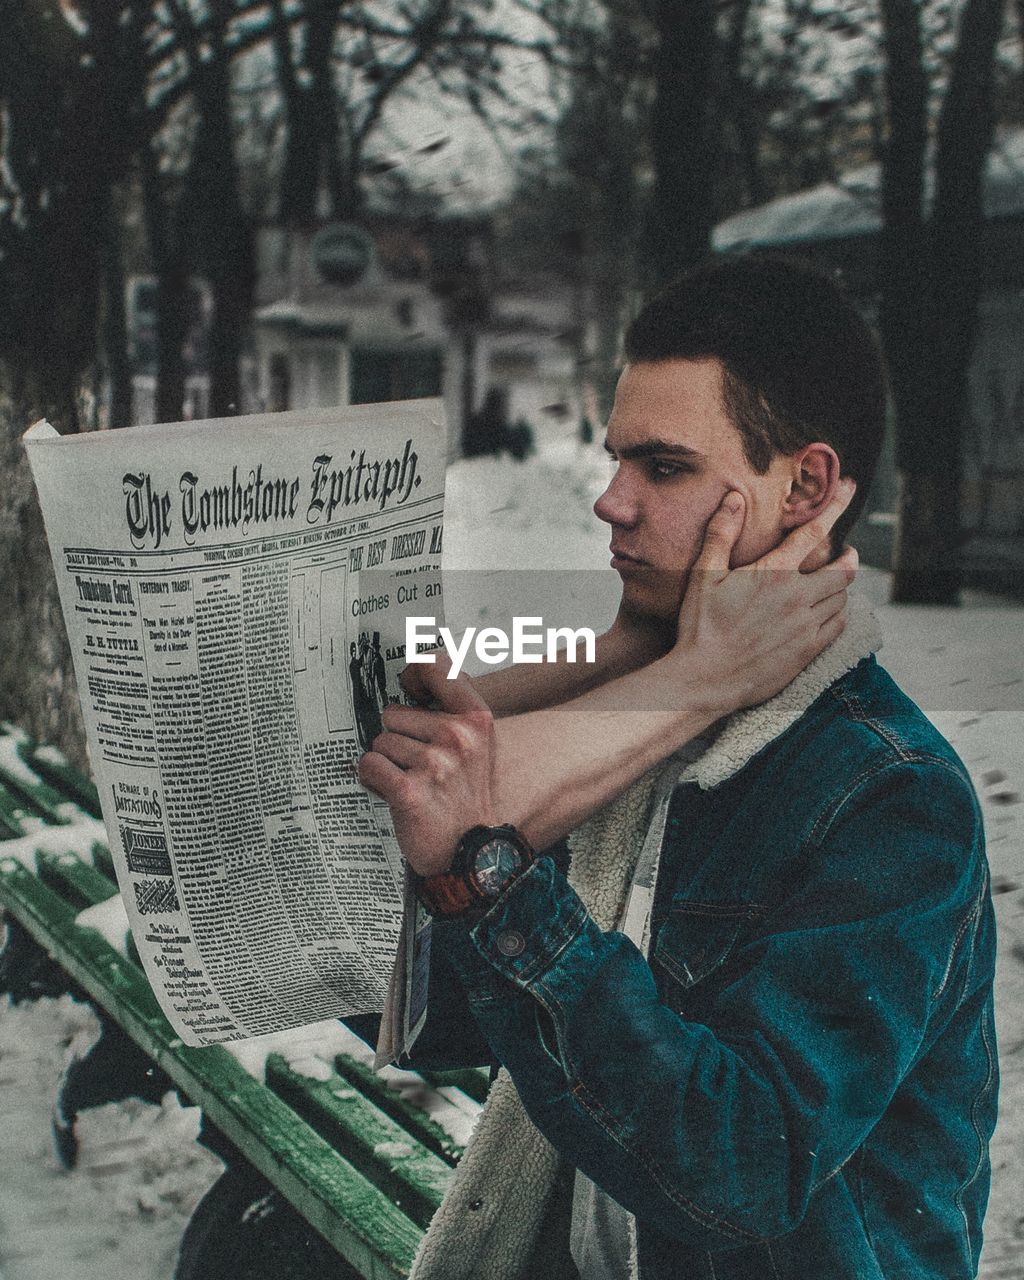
[
  {"x": 444, "y": 894},
  {"x": 485, "y": 887}
]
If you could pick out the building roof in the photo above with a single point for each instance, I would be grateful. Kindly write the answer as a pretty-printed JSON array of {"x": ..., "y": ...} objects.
[{"x": 850, "y": 207}]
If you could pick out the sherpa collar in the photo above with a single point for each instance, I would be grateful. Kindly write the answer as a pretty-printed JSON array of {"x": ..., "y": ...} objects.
[{"x": 747, "y": 732}]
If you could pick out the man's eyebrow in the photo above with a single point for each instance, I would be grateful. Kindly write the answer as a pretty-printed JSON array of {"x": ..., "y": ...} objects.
[{"x": 655, "y": 449}]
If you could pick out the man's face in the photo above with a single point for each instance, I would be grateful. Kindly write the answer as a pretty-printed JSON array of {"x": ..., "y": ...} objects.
[{"x": 676, "y": 455}]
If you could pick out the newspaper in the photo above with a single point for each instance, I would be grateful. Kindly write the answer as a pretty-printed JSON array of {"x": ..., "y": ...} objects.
[{"x": 235, "y": 594}]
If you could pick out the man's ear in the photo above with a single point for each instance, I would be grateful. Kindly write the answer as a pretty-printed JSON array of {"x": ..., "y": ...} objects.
[{"x": 814, "y": 476}]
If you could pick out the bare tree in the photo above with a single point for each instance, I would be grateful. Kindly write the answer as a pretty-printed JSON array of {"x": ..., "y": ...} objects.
[
  {"x": 683, "y": 135},
  {"x": 931, "y": 281},
  {"x": 68, "y": 98}
]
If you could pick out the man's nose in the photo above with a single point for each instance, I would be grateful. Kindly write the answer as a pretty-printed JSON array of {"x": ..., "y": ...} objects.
[{"x": 616, "y": 505}]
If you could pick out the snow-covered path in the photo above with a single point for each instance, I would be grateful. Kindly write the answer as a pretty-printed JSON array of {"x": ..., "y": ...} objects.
[{"x": 120, "y": 1214}]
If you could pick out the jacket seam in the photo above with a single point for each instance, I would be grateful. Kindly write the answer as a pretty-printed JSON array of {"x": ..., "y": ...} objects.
[
  {"x": 828, "y": 817},
  {"x": 825, "y": 819},
  {"x": 970, "y": 919},
  {"x": 975, "y": 1104},
  {"x": 860, "y": 1201},
  {"x": 736, "y": 914},
  {"x": 856, "y": 708},
  {"x": 549, "y": 1002},
  {"x": 718, "y": 910},
  {"x": 561, "y": 1061},
  {"x": 702, "y": 1217},
  {"x": 548, "y": 956}
]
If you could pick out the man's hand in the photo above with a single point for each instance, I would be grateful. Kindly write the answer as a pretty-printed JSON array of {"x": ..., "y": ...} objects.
[
  {"x": 434, "y": 768},
  {"x": 745, "y": 633}
]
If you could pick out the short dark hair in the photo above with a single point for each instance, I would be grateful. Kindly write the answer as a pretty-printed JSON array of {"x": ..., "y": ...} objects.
[{"x": 800, "y": 363}]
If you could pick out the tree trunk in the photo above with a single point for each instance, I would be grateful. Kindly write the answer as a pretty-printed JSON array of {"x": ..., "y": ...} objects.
[
  {"x": 608, "y": 299},
  {"x": 224, "y": 242},
  {"x": 965, "y": 134},
  {"x": 683, "y": 138},
  {"x": 232, "y": 305},
  {"x": 171, "y": 292},
  {"x": 736, "y": 105},
  {"x": 172, "y": 285},
  {"x": 926, "y": 553},
  {"x": 37, "y": 684},
  {"x": 212, "y": 220},
  {"x": 467, "y": 385},
  {"x": 115, "y": 326},
  {"x": 317, "y": 154},
  {"x": 335, "y": 161},
  {"x": 904, "y": 278},
  {"x": 931, "y": 285}
]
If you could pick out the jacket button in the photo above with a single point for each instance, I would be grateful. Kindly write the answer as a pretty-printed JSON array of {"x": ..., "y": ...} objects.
[{"x": 511, "y": 942}]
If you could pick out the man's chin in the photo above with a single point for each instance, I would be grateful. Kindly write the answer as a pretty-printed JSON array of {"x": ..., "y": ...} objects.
[{"x": 654, "y": 599}]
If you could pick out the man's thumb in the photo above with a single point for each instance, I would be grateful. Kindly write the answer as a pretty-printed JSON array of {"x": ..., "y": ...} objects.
[{"x": 720, "y": 535}]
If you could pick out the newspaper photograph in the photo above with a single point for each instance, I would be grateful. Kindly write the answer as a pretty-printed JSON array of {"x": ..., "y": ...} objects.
[{"x": 235, "y": 594}]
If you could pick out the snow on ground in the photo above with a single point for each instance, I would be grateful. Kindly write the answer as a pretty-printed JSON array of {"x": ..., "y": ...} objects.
[{"x": 120, "y": 1214}]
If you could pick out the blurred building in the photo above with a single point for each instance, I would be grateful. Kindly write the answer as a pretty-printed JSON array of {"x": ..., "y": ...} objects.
[
  {"x": 838, "y": 224},
  {"x": 392, "y": 310}
]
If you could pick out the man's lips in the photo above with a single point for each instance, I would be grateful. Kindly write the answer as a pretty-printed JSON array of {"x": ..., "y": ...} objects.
[{"x": 623, "y": 560}]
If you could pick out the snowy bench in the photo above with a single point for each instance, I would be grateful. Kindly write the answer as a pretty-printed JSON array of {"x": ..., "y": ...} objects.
[{"x": 311, "y": 1135}]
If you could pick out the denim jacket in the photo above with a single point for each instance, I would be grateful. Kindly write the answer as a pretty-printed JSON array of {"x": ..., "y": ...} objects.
[{"x": 800, "y": 1080}]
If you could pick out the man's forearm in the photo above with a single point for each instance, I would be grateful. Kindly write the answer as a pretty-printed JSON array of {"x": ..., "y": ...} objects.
[
  {"x": 520, "y": 689},
  {"x": 555, "y": 767}
]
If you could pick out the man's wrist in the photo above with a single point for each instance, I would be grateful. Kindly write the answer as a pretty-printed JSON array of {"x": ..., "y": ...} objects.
[
  {"x": 487, "y": 860},
  {"x": 693, "y": 693}
]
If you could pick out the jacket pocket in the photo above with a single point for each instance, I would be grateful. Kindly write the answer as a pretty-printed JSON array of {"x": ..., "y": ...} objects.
[{"x": 697, "y": 938}]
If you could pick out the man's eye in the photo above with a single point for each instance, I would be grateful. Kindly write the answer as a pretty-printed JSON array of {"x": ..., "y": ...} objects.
[{"x": 666, "y": 469}]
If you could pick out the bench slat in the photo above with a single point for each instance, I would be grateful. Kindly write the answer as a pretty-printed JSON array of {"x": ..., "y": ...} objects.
[
  {"x": 74, "y": 880},
  {"x": 63, "y": 777},
  {"x": 38, "y": 794},
  {"x": 412, "y": 1119},
  {"x": 475, "y": 1082},
  {"x": 102, "y": 860},
  {"x": 12, "y": 810},
  {"x": 382, "y": 1150},
  {"x": 335, "y": 1198}
]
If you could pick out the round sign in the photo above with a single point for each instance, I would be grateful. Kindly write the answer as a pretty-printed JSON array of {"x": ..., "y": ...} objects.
[{"x": 342, "y": 252}]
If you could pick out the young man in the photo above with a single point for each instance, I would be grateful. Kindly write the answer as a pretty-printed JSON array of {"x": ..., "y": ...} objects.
[{"x": 756, "y": 1015}]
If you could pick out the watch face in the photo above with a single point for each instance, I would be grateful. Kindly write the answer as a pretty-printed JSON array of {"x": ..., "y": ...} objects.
[{"x": 494, "y": 865}]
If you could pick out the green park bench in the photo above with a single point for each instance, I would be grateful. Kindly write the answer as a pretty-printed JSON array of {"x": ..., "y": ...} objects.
[{"x": 361, "y": 1162}]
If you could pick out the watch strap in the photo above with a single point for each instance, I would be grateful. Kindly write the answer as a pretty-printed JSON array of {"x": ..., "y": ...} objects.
[
  {"x": 447, "y": 894},
  {"x": 452, "y": 893}
]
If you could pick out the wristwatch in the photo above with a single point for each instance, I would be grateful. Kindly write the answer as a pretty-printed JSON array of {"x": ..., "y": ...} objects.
[{"x": 486, "y": 862}]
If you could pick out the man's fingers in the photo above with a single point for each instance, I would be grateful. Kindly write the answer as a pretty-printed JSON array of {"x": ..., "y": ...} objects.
[
  {"x": 823, "y": 583},
  {"x": 849, "y": 562},
  {"x": 828, "y": 606},
  {"x": 798, "y": 545},
  {"x": 720, "y": 535},
  {"x": 832, "y": 628},
  {"x": 411, "y": 680},
  {"x": 385, "y": 778},
  {"x": 406, "y": 752},
  {"x": 457, "y": 696},
  {"x": 413, "y": 722}
]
